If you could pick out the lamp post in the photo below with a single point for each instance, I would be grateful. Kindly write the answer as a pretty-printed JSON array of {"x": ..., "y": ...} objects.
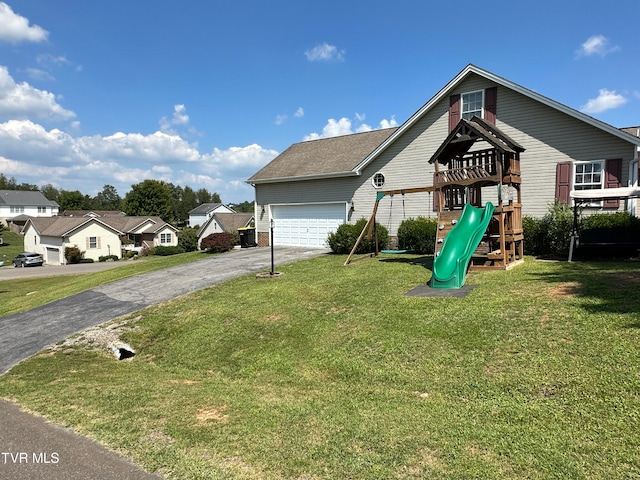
[{"x": 271, "y": 225}]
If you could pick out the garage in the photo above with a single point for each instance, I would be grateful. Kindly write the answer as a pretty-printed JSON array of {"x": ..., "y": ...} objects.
[
  {"x": 53, "y": 256},
  {"x": 306, "y": 225}
]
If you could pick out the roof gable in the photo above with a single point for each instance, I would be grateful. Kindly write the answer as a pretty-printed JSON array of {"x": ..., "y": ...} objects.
[{"x": 473, "y": 70}]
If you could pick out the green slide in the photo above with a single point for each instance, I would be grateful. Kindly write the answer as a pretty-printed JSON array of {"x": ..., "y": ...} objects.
[{"x": 450, "y": 266}]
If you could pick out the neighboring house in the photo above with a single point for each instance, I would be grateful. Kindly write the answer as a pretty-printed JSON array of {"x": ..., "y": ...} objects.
[
  {"x": 16, "y": 206},
  {"x": 225, "y": 222},
  {"x": 312, "y": 187},
  {"x": 97, "y": 237},
  {"x": 92, "y": 213},
  {"x": 199, "y": 215}
]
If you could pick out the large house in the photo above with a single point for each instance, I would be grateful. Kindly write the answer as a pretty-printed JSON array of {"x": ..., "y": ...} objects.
[
  {"x": 95, "y": 236},
  {"x": 16, "y": 206},
  {"x": 313, "y": 187}
]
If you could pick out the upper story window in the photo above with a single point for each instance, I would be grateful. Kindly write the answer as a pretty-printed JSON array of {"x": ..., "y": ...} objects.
[
  {"x": 378, "y": 180},
  {"x": 16, "y": 209},
  {"x": 165, "y": 238},
  {"x": 42, "y": 209},
  {"x": 472, "y": 104}
]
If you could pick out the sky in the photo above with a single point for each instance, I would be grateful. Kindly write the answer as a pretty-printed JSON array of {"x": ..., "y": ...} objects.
[{"x": 205, "y": 92}]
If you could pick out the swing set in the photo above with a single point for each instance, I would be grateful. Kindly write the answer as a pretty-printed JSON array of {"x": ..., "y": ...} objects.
[
  {"x": 461, "y": 174},
  {"x": 370, "y": 231}
]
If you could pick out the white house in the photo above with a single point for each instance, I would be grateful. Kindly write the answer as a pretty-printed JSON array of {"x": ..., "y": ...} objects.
[
  {"x": 199, "y": 215},
  {"x": 17, "y": 205},
  {"x": 224, "y": 222}
]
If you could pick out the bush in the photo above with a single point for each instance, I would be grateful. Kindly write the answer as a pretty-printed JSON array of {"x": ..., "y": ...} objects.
[
  {"x": 188, "y": 239},
  {"x": 418, "y": 235},
  {"x": 86, "y": 260},
  {"x": 218, "y": 242},
  {"x": 108, "y": 258},
  {"x": 535, "y": 236},
  {"x": 609, "y": 220},
  {"x": 163, "y": 251},
  {"x": 344, "y": 238},
  {"x": 73, "y": 254}
]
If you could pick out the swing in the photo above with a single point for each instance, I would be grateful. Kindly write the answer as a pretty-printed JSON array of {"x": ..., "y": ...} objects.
[{"x": 404, "y": 217}]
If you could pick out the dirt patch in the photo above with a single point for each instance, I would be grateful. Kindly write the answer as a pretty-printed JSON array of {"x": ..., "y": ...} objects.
[
  {"x": 215, "y": 414},
  {"x": 564, "y": 290},
  {"x": 101, "y": 337}
]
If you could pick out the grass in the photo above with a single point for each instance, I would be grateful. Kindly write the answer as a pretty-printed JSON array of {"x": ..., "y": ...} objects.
[{"x": 331, "y": 372}]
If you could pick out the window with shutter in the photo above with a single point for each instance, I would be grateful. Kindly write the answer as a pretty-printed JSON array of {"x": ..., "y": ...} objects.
[
  {"x": 563, "y": 181},
  {"x": 480, "y": 103}
]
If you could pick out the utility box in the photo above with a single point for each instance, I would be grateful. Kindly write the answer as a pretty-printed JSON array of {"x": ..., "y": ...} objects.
[{"x": 247, "y": 237}]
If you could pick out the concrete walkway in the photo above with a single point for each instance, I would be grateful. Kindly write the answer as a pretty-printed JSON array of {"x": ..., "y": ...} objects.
[{"x": 31, "y": 448}]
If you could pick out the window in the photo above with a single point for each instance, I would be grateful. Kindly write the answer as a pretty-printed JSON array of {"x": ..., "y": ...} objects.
[
  {"x": 15, "y": 209},
  {"x": 378, "y": 180},
  {"x": 42, "y": 209},
  {"x": 472, "y": 104},
  {"x": 93, "y": 242},
  {"x": 588, "y": 175},
  {"x": 165, "y": 238}
]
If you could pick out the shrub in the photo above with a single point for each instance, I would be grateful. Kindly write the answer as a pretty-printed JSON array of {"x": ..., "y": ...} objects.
[
  {"x": 535, "y": 236},
  {"x": 609, "y": 220},
  {"x": 86, "y": 260},
  {"x": 163, "y": 251},
  {"x": 108, "y": 258},
  {"x": 188, "y": 239},
  {"x": 218, "y": 242},
  {"x": 418, "y": 235},
  {"x": 344, "y": 238},
  {"x": 73, "y": 254}
]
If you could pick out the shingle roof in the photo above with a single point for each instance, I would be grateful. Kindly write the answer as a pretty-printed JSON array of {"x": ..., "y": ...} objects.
[
  {"x": 327, "y": 156},
  {"x": 62, "y": 226},
  {"x": 230, "y": 222},
  {"x": 24, "y": 198},
  {"x": 204, "y": 208}
]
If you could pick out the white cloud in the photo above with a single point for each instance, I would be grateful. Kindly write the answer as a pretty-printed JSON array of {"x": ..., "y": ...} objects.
[
  {"x": 606, "y": 100},
  {"x": 299, "y": 113},
  {"x": 37, "y": 74},
  {"x": 596, "y": 45},
  {"x": 179, "y": 118},
  {"x": 334, "y": 127},
  {"x": 15, "y": 28},
  {"x": 324, "y": 52},
  {"x": 33, "y": 154},
  {"x": 280, "y": 119},
  {"x": 22, "y": 101}
]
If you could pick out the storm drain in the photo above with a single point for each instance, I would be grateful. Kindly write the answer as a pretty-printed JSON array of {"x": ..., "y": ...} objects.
[{"x": 122, "y": 351}]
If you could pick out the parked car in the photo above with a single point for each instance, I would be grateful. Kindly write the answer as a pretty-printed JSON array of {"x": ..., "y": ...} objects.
[{"x": 28, "y": 259}]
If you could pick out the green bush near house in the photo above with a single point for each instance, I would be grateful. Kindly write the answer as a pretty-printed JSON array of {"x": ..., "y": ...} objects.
[
  {"x": 166, "y": 250},
  {"x": 73, "y": 254},
  {"x": 188, "y": 239},
  {"x": 418, "y": 235},
  {"x": 344, "y": 238},
  {"x": 609, "y": 220}
]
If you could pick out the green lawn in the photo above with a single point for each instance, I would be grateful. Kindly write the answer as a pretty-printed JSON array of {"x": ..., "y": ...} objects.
[{"x": 332, "y": 372}]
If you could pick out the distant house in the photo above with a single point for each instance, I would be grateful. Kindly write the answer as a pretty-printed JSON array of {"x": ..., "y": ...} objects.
[
  {"x": 92, "y": 213},
  {"x": 199, "y": 215},
  {"x": 16, "y": 206},
  {"x": 224, "y": 222},
  {"x": 96, "y": 236}
]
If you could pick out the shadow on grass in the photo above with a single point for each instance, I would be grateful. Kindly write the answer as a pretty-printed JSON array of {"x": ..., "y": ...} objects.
[
  {"x": 606, "y": 287},
  {"x": 423, "y": 261}
]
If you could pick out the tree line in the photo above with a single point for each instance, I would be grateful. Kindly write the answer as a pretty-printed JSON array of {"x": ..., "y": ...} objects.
[{"x": 150, "y": 197}]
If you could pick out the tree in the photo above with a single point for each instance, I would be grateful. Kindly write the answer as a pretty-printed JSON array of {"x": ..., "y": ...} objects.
[
  {"x": 107, "y": 199},
  {"x": 73, "y": 200},
  {"x": 12, "y": 184},
  {"x": 204, "y": 196},
  {"x": 150, "y": 197},
  {"x": 244, "y": 207},
  {"x": 188, "y": 239},
  {"x": 50, "y": 192}
]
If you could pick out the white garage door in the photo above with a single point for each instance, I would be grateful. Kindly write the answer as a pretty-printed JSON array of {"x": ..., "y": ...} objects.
[{"x": 306, "y": 225}]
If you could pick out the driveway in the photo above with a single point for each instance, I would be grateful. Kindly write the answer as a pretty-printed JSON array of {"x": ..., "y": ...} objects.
[
  {"x": 24, "y": 334},
  {"x": 35, "y": 449}
]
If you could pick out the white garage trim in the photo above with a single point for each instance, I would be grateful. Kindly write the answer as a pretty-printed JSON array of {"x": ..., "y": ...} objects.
[{"x": 306, "y": 224}]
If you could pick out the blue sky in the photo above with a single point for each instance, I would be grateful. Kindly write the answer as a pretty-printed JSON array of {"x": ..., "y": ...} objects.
[{"x": 205, "y": 92}]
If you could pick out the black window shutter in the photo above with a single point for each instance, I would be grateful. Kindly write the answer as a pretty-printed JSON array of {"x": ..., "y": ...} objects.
[
  {"x": 454, "y": 111},
  {"x": 490, "y": 103},
  {"x": 563, "y": 181},
  {"x": 612, "y": 176}
]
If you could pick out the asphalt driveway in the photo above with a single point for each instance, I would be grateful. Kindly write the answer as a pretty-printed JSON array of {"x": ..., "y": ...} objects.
[{"x": 32, "y": 448}]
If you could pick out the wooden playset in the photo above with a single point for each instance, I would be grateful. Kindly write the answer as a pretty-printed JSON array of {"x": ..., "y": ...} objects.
[{"x": 476, "y": 160}]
